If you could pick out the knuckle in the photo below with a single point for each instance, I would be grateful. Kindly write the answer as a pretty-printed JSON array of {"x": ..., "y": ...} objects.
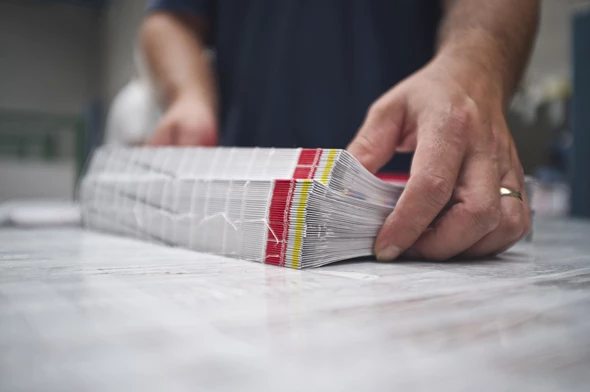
[
  {"x": 486, "y": 215},
  {"x": 514, "y": 226},
  {"x": 463, "y": 114},
  {"x": 377, "y": 109},
  {"x": 438, "y": 190},
  {"x": 365, "y": 145}
]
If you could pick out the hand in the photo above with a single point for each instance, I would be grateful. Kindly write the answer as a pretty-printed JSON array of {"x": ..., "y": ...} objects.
[
  {"x": 188, "y": 122},
  {"x": 453, "y": 118}
]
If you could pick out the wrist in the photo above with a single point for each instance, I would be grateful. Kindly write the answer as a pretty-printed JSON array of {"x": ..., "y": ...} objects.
[
  {"x": 194, "y": 97},
  {"x": 479, "y": 72}
]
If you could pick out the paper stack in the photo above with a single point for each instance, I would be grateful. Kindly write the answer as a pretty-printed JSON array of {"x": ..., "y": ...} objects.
[{"x": 291, "y": 207}]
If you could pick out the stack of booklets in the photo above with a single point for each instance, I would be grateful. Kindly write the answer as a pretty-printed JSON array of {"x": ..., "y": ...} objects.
[{"x": 291, "y": 207}]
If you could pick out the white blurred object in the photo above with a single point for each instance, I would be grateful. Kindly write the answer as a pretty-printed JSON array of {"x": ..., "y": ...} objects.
[
  {"x": 133, "y": 115},
  {"x": 552, "y": 89},
  {"x": 134, "y": 112},
  {"x": 39, "y": 213},
  {"x": 552, "y": 200}
]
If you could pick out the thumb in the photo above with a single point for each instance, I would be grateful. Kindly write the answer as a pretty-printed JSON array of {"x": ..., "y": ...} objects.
[{"x": 376, "y": 141}]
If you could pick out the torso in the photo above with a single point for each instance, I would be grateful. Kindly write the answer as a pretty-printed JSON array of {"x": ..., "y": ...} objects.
[{"x": 302, "y": 73}]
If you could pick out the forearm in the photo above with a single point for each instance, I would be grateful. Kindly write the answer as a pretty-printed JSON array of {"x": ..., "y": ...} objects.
[
  {"x": 493, "y": 38},
  {"x": 174, "y": 51}
]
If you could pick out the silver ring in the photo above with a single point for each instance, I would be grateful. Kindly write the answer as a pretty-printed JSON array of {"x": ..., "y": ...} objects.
[{"x": 511, "y": 193}]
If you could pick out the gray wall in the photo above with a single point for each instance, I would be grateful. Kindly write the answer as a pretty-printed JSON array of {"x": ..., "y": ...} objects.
[
  {"x": 120, "y": 24},
  {"x": 552, "y": 51},
  {"x": 49, "y": 62},
  {"x": 48, "y": 56}
]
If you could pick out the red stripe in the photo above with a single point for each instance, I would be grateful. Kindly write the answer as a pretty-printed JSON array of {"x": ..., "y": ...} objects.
[
  {"x": 302, "y": 172},
  {"x": 393, "y": 177},
  {"x": 280, "y": 206},
  {"x": 307, "y": 163},
  {"x": 307, "y": 156},
  {"x": 278, "y": 222},
  {"x": 287, "y": 221},
  {"x": 316, "y": 162}
]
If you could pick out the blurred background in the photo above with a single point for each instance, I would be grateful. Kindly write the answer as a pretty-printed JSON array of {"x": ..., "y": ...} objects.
[{"x": 63, "y": 62}]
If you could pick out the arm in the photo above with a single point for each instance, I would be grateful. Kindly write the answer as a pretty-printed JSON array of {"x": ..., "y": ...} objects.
[
  {"x": 174, "y": 50},
  {"x": 496, "y": 37},
  {"x": 452, "y": 113}
]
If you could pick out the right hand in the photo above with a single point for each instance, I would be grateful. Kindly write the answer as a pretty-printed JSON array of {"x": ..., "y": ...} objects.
[
  {"x": 187, "y": 122},
  {"x": 451, "y": 114}
]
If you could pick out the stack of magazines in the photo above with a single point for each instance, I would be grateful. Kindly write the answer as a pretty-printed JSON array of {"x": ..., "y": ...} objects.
[
  {"x": 291, "y": 207},
  {"x": 296, "y": 208}
]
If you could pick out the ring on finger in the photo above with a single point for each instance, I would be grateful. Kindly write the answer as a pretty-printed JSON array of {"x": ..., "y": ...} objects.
[{"x": 509, "y": 192}]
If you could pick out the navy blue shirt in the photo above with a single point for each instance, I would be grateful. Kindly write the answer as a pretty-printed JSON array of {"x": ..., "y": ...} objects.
[{"x": 302, "y": 73}]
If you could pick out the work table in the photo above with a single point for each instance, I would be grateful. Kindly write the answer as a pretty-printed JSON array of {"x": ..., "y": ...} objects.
[{"x": 84, "y": 311}]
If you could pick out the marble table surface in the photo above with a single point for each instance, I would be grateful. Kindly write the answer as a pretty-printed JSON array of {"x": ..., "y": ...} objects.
[{"x": 82, "y": 311}]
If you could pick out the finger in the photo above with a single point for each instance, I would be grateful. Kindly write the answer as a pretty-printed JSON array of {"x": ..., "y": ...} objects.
[
  {"x": 188, "y": 138},
  {"x": 505, "y": 235},
  {"x": 476, "y": 214},
  {"x": 513, "y": 222},
  {"x": 376, "y": 140},
  {"x": 162, "y": 136},
  {"x": 435, "y": 168},
  {"x": 205, "y": 135}
]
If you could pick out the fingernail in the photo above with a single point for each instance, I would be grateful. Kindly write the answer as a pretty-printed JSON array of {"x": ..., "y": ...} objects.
[{"x": 389, "y": 253}]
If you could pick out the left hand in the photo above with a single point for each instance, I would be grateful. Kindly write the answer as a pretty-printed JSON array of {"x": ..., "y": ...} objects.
[
  {"x": 453, "y": 117},
  {"x": 189, "y": 121}
]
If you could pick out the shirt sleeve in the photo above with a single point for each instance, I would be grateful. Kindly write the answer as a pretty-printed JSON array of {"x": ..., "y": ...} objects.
[{"x": 198, "y": 7}]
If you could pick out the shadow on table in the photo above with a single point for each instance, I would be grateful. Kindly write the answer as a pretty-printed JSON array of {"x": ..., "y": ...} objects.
[{"x": 506, "y": 257}]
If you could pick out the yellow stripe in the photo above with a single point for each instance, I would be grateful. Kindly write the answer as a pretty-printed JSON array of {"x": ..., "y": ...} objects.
[
  {"x": 328, "y": 168},
  {"x": 305, "y": 185}
]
